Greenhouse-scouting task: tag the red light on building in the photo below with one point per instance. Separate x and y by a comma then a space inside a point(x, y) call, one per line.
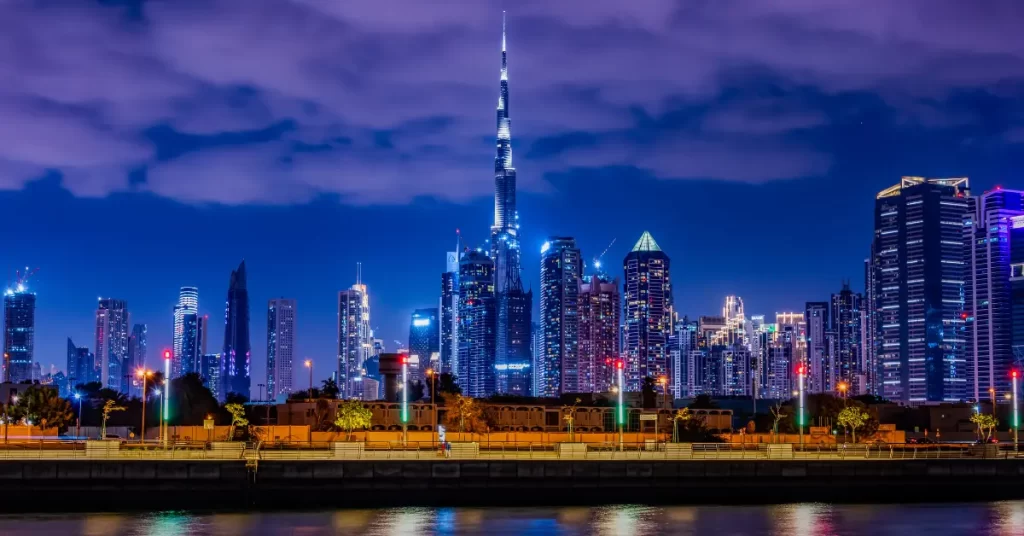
point(801, 370)
point(1014, 373)
point(619, 364)
point(403, 360)
point(167, 354)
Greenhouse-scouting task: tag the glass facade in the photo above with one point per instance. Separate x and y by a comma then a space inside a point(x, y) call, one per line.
point(280, 346)
point(112, 343)
point(647, 291)
point(561, 269)
point(477, 325)
point(235, 357)
point(19, 334)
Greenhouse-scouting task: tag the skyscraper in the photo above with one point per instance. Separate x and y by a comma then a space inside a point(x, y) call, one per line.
point(424, 340)
point(647, 291)
point(355, 340)
point(186, 360)
point(280, 346)
point(477, 325)
point(599, 309)
point(210, 370)
point(918, 269)
point(19, 333)
point(988, 234)
point(112, 342)
point(537, 358)
point(819, 356)
point(845, 317)
point(234, 360)
point(137, 346)
point(80, 366)
point(188, 303)
point(561, 268)
point(449, 308)
point(869, 368)
point(684, 343)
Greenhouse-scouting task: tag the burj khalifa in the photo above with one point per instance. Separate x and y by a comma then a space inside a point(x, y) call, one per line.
point(515, 306)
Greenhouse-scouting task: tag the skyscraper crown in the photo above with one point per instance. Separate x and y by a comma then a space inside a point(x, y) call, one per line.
point(646, 243)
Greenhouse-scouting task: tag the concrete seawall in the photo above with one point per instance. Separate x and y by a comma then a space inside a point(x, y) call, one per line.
point(63, 485)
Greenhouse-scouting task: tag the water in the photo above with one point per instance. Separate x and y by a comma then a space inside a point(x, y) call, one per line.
point(975, 519)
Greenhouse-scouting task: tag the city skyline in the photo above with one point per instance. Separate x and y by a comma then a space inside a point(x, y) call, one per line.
point(706, 268)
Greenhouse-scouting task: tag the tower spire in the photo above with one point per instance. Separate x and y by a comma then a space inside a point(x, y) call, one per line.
point(503, 31)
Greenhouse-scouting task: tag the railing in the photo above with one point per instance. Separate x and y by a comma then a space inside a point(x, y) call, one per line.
point(182, 450)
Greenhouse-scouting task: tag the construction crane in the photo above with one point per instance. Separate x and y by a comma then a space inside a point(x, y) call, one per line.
point(21, 278)
point(597, 259)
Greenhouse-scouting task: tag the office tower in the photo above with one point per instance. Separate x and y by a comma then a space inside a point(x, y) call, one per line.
point(81, 366)
point(869, 369)
point(819, 358)
point(137, 346)
point(845, 335)
point(280, 346)
point(477, 325)
point(918, 267)
point(234, 359)
point(424, 340)
point(758, 330)
point(512, 345)
point(599, 308)
point(684, 372)
point(19, 333)
point(783, 343)
point(355, 340)
point(112, 342)
point(189, 352)
point(188, 303)
point(795, 327)
point(988, 234)
point(449, 314)
point(648, 308)
point(537, 351)
point(561, 268)
point(210, 371)
point(1017, 291)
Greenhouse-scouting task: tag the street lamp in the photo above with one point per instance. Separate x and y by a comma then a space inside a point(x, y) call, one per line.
point(621, 417)
point(167, 396)
point(309, 365)
point(405, 398)
point(433, 387)
point(78, 422)
point(144, 374)
point(843, 386)
point(992, 394)
point(160, 393)
point(801, 371)
point(663, 382)
point(1016, 415)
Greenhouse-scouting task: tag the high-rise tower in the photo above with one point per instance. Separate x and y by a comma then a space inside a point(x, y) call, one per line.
point(234, 361)
point(647, 291)
point(19, 333)
point(188, 303)
point(561, 268)
point(112, 342)
point(476, 371)
point(355, 339)
point(280, 346)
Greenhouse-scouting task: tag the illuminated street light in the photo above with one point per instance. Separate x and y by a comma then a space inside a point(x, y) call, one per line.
point(144, 374)
point(801, 371)
point(78, 422)
point(167, 396)
point(309, 365)
point(619, 365)
point(405, 399)
point(1016, 415)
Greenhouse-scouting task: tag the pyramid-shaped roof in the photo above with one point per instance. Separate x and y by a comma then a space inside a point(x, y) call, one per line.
point(646, 243)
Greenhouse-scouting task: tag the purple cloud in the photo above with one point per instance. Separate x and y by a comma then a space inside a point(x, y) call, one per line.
point(79, 96)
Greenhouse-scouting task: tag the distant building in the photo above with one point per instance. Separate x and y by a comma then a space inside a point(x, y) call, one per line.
point(819, 355)
point(210, 371)
point(112, 343)
point(137, 346)
point(537, 351)
point(19, 333)
point(424, 340)
point(561, 269)
point(845, 317)
point(683, 345)
point(235, 358)
point(599, 308)
point(477, 325)
point(184, 342)
point(449, 309)
point(918, 269)
point(81, 366)
point(647, 292)
point(280, 346)
point(869, 368)
point(989, 308)
point(189, 353)
point(355, 339)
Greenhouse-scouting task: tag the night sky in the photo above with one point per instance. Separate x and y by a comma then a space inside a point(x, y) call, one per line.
point(150, 145)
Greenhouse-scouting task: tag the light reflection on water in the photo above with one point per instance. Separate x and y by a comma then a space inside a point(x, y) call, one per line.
point(808, 519)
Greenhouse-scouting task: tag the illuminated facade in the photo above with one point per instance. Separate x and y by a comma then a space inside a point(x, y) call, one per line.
point(19, 333)
point(449, 309)
point(112, 343)
point(235, 357)
point(989, 308)
point(918, 271)
point(477, 325)
point(81, 366)
point(599, 309)
point(188, 303)
point(845, 337)
point(355, 339)
point(561, 269)
point(819, 347)
point(647, 291)
point(137, 346)
point(424, 341)
point(280, 346)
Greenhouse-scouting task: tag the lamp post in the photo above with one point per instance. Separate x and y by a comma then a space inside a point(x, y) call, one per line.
point(621, 417)
point(7, 413)
point(309, 365)
point(843, 387)
point(663, 382)
point(801, 371)
point(160, 393)
point(78, 422)
point(405, 398)
point(992, 394)
point(433, 387)
point(144, 374)
point(167, 396)
point(1016, 415)
point(261, 386)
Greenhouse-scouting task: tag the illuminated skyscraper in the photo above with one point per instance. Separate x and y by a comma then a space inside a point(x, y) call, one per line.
point(988, 239)
point(112, 343)
point(561, 269)
point(136, 357)
point(19, 333)
point(599, 309)
point(280, 346)
point(477, 325)
point(235, 358)
point(188, 303)
point(648, 310)
point(424, 341)
point(845, 331)
point(210, 370)
point(819, 354)
point(81, 366)
point(448, 329)
point(355, 339)
point(918, 265)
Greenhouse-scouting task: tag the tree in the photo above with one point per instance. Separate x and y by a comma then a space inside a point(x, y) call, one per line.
point(192, 401)
point(778, 415)
point(445, 384)
point(353, 414)
point(570, 417)
point(682, 415)
point(43, 406)
point(986, 423)
point(648, 394)
point(330, 389)
point(466, 415)
point(853, 418)
point(416, 390)
point(703, 402)
point(110, 406)
point(238, 418)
